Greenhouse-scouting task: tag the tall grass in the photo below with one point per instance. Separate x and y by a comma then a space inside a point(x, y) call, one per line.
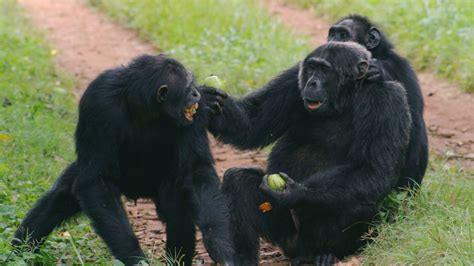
point(437, 35)
point(37, 116)
point(234, 39)
point(435, 227)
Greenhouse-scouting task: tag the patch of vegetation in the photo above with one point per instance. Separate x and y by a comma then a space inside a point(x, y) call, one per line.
point(37, 117)
point(234, 39)
point(435, 35)
point(433, 228)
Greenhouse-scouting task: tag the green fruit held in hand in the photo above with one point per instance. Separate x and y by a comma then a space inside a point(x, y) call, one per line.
point(276, 182)
point(213, 81)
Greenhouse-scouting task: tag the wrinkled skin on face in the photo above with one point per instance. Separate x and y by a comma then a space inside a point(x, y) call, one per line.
point(179, 98)
point(327, 73)
point(161, 87)
point(350, 30)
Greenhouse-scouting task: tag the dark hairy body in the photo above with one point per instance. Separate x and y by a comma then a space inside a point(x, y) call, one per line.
point(340, 141)
point(139, 135)
point(392, 66)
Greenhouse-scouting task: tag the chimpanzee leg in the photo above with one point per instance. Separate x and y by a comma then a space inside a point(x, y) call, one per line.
point(57, 205)
point(248, 222)
point(212, 215)
point(180, 231)
point(100, 201)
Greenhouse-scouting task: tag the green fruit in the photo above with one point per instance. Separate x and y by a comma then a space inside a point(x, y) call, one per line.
point(276, 182)
point(213, 81)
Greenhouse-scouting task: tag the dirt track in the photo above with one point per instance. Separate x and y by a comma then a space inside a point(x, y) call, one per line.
point(87, 43)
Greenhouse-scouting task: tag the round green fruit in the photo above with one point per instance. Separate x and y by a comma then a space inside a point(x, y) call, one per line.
point(276, 182)
point(213, 81)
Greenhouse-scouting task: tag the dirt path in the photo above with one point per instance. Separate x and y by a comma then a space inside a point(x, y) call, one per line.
point(449, 113)
point(87, 43)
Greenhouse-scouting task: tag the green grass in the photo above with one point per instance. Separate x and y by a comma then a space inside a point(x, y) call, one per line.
point(434, 228)
point(37, 117)
point(434, 35)
point(234, 39)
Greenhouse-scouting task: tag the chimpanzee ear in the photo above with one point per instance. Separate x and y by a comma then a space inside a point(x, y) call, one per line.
point(161, 94)
point(362, 69)
point(372, 38)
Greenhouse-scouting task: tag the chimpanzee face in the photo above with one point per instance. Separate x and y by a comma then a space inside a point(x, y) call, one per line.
point(329, 71)
point(351, 30)
point(319, 79)
point(343, 31)
point(179, 98)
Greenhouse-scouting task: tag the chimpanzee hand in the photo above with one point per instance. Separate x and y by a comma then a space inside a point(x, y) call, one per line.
point(214, 99)
point(291, 195)
point(375, 72)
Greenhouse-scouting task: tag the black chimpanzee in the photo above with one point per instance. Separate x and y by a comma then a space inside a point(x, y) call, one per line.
point(140, 133)
point(341, 141)
point(359, 29)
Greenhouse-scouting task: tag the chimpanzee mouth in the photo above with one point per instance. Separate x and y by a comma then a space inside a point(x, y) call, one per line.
point(312, 105)
point(190, 111)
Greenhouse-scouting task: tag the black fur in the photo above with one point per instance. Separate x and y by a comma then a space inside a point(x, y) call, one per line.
point(133, 139)
point(396, 68)
point(341, 159)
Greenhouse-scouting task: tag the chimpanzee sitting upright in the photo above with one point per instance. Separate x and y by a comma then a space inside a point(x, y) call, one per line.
point(359, 29)
point(341, 141)
point(140, 133)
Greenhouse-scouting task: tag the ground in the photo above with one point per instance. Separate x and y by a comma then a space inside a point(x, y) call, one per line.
point(87, 42)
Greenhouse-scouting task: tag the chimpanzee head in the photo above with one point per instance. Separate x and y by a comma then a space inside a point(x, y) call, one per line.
point(161, 87)
point(359, 29)
point(329, 73)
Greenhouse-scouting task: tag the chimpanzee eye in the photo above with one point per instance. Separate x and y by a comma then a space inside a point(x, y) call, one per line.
point(331, 33)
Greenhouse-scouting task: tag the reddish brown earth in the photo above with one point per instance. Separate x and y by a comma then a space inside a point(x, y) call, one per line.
point(87, 43)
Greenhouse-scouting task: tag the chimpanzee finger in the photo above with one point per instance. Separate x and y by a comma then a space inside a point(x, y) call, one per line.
point(210, 110)
point(209, 90)
point(219, 100)
point(265, 188)
point(288, 179)
point(215, 91)
point(221, 93)
point(217, 107)
point(264, 184)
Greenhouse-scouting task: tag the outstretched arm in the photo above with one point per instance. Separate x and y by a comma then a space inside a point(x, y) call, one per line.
point(381, 126)
point(259, 118)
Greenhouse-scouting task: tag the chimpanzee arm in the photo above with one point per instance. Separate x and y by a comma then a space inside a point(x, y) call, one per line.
point(381, 124)
point(211, 214)
point(261, 117)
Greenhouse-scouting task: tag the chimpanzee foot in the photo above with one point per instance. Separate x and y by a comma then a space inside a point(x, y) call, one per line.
point(325, 260)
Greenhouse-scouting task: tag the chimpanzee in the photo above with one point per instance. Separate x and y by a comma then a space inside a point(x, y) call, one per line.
point(359, 29)
point(141, 134)
point(341, 139)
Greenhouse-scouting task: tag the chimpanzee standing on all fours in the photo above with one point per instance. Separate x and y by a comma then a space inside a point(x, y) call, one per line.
point(141, 134)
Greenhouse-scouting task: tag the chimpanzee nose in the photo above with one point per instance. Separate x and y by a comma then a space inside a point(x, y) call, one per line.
point(196, 95)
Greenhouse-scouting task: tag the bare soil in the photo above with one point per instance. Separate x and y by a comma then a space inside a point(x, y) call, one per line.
point(87, 42)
